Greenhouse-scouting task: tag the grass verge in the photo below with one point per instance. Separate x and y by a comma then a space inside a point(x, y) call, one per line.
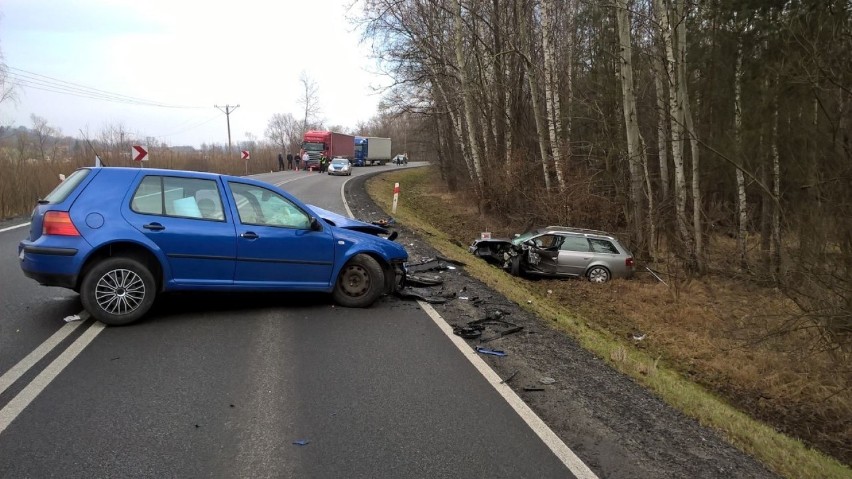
point(784, 455)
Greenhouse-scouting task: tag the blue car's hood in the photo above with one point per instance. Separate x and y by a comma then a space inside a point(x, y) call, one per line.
point(348, 223)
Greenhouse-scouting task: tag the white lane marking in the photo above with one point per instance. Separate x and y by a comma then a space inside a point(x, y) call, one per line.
point(562, 451)
point(38, 353)
point(342, 197)
point(14, 227)
point(33, 389)
point(297, 177)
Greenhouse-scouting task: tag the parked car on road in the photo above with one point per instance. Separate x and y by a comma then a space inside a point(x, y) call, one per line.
point(560, 251)
point(121, 236)
point(340, 166)
point(400, 160)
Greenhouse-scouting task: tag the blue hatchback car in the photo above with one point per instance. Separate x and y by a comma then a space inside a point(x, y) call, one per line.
point(120, 236)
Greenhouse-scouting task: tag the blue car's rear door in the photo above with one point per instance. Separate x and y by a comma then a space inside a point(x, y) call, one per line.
point(276, 247)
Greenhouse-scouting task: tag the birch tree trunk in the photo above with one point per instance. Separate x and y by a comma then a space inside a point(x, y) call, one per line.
point(551, 90)
point(507, 116)
point(742, 207)
point(697, 251)
point(532, 79)
point(775, 260)
point(635, 153)
point(676, 117)
point(662, 131)
point(459, 130)
point(467, 100)
point(501, 83)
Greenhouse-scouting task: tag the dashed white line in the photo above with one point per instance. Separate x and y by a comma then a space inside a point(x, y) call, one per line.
point(550, 439)
point(33, 389)
point(38, 353)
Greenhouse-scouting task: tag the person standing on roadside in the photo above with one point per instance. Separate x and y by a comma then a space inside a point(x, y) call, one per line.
point(305, 159)
point(289, 161)
point(280, 161)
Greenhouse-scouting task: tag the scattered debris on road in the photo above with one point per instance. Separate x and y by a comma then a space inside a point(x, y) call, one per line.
point(384, 223)
point(302, 442)
point(421, 294)
point(491, 352)
point(468, 332)
point(420, 280)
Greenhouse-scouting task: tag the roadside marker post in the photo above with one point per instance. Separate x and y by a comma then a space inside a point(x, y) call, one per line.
point(246, 156)
point(395, 197)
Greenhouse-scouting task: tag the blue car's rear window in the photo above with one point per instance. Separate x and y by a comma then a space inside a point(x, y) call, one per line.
point(65, 188)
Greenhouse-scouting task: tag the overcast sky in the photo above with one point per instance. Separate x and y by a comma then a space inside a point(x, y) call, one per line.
point(188, 53)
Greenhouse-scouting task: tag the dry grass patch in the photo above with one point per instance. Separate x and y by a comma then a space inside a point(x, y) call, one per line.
point(706, 344)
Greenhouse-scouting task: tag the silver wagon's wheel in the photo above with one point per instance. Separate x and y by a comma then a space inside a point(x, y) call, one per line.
point(598, 274)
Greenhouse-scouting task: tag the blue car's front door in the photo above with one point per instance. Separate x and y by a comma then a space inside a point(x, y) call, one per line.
point(276, 247)
point(185, 218)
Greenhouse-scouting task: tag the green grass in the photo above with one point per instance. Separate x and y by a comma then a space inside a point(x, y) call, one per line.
point(780, 453)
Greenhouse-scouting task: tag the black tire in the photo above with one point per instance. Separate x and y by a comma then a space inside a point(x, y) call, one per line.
point(360, 283)
point(598, 274)
point(515, 265)
point(118, 291)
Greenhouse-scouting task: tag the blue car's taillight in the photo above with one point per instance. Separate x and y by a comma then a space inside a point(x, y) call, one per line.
point(59, 223)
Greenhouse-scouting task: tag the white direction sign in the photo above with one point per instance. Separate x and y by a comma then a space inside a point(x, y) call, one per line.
point(139, 153)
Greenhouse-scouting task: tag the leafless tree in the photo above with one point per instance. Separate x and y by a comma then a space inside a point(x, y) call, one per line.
point(283, 131)
point(115, 141)
point(309, 99)
point(635, 145)
point(45, 136)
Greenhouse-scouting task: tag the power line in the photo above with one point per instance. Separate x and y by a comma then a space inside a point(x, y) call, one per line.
point(37, 81)
point(183, 130)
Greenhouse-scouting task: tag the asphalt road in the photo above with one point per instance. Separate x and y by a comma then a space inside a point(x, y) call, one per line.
point(248, 386)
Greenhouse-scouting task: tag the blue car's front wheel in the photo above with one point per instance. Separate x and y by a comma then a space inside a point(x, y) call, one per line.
point(360, 283)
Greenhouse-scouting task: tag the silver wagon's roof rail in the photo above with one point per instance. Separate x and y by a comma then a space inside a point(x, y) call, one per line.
point(579, 230)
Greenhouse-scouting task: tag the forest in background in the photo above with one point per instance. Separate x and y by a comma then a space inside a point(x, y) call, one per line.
point(683, 127)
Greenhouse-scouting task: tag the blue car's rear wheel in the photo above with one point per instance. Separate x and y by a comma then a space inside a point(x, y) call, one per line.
point(118, 291)
point(360, 283)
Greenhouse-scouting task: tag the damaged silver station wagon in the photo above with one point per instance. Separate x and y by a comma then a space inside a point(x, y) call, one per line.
point(560, 252)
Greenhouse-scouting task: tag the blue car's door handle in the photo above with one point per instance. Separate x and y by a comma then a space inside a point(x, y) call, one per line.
point(154, 227)
point(249, 235)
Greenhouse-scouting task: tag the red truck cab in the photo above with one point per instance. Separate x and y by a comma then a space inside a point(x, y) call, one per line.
point(333, 145)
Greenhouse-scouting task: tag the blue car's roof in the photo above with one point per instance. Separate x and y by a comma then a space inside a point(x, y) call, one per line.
point(333, 218)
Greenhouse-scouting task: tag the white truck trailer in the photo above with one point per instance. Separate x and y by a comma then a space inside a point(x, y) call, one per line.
point(378, 150)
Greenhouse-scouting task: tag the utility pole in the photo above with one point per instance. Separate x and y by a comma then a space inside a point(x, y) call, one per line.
point(227, 111)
